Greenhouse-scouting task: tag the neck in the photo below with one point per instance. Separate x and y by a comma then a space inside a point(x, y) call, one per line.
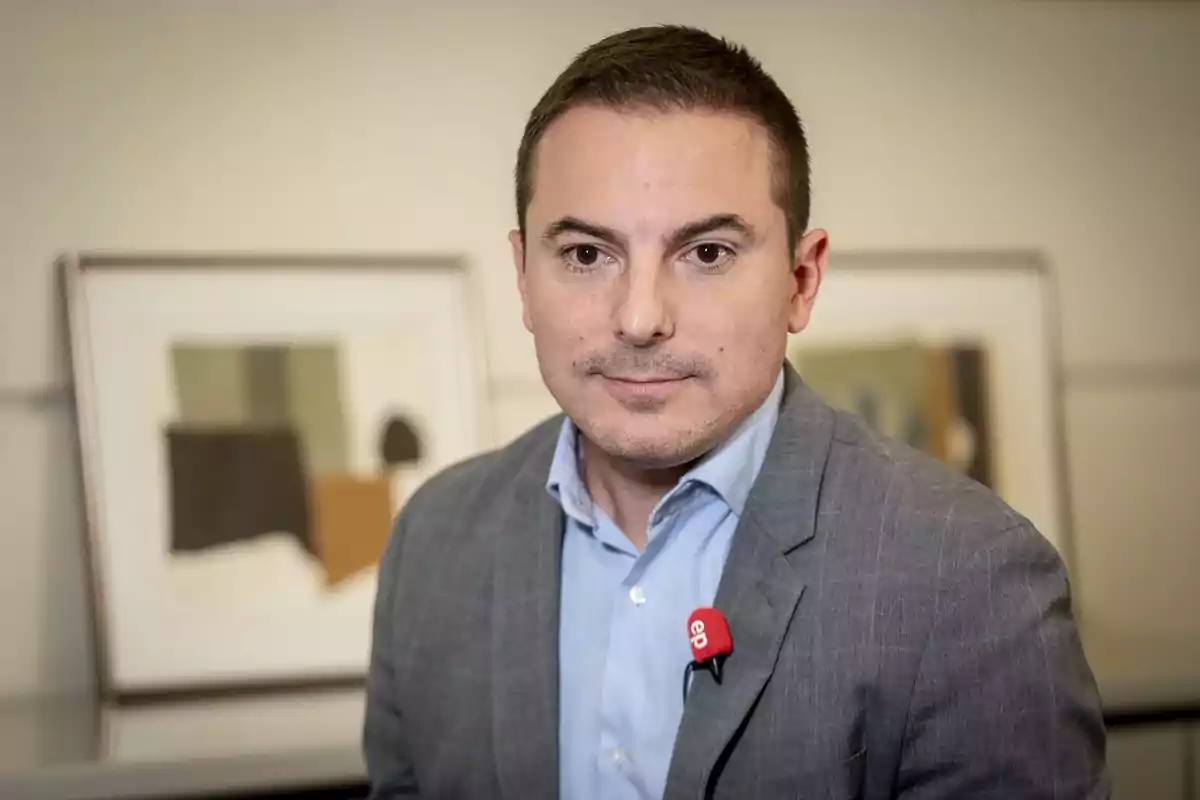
point(626, 492)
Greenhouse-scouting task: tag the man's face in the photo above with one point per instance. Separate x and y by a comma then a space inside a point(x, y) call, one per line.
point(656, 277)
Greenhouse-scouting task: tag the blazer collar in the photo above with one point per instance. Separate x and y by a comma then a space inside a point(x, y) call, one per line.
point(784, 498)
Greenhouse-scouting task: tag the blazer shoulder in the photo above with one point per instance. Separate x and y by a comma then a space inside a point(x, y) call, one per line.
point(920, 499)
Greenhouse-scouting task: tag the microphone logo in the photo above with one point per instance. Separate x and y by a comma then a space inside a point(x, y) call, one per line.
point(711, 641)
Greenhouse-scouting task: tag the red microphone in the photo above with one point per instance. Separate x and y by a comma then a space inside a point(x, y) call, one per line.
point(708, 633)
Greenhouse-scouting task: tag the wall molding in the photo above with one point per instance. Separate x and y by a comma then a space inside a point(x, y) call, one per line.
point(1132, 376)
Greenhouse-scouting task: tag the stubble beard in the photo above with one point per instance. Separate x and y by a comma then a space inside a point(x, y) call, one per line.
point(674, 445)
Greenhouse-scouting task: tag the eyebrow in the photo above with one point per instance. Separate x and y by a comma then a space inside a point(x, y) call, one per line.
point(576, 225)
point(717, 222)
point(673, 240)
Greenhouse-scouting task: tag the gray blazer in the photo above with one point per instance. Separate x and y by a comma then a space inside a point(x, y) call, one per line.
point(899, 632)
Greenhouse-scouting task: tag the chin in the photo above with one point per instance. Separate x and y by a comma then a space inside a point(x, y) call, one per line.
point(648, 455)
point(650, 445)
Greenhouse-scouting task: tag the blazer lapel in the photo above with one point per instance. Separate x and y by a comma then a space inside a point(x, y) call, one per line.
point(760, 588)
point(528, 566)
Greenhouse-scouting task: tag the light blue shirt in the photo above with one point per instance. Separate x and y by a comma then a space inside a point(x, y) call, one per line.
point(623, 644)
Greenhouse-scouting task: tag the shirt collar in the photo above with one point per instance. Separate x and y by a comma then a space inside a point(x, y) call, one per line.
point(730, 469)
point(565, 482)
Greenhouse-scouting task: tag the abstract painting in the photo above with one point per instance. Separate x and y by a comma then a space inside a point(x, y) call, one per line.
point(260, 447)
point(931, 397)
point(250, 429)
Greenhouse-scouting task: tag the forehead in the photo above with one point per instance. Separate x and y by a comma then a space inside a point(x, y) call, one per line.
point(631, 168)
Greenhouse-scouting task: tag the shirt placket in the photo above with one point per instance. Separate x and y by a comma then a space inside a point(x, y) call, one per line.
point(617, 757)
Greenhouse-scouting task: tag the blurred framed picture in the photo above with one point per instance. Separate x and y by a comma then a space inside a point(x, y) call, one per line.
point(956, 354)
point(249, 428)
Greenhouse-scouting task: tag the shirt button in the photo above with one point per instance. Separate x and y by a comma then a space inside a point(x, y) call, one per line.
point(618, 756)
point(638, 595)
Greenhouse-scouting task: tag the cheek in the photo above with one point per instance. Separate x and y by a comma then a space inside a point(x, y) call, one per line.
point(564, 322)
point(746, 340)
point(739, 323)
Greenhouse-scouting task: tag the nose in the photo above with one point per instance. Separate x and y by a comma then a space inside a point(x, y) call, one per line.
point(643, 315)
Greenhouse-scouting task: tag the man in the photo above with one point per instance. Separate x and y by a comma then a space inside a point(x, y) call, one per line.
point(897, 630)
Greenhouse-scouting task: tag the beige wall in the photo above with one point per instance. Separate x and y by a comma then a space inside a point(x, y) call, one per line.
point(392, 126)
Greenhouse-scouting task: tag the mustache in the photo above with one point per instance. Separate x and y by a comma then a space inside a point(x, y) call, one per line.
point(628, 362)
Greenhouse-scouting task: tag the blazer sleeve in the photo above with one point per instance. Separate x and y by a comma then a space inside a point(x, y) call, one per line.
point(1004, 703)
point(390, 771)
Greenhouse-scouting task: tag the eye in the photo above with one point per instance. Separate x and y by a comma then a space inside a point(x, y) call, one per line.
point(709, 256)
point(584, 257)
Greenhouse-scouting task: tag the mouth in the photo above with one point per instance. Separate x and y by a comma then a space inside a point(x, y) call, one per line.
point(643, 392)
point(645, 380)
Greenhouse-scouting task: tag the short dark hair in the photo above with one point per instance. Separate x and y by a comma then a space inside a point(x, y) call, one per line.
point(671, 67)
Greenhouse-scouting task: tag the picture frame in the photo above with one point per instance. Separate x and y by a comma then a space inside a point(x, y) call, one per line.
point(957, 353)
point(249, 427)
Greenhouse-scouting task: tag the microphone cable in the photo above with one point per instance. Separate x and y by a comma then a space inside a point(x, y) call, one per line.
point(687, 679)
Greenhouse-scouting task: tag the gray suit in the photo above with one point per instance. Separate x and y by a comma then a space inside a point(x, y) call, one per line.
point(898, 632)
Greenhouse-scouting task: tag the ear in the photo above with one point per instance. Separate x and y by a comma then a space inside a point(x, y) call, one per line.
point(808, 269)
point(518, 255)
